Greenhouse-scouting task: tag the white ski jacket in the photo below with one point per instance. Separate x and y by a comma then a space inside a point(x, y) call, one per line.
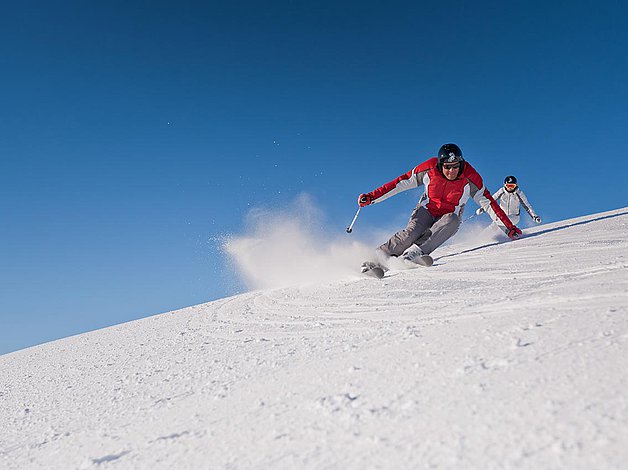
point(511, 202)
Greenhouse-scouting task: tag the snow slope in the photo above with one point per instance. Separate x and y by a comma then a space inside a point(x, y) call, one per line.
point(503, 355)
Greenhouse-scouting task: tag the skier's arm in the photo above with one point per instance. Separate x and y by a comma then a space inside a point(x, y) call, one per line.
point(409, 180)
point(526, 205)
point(499, 193)
point(483, 197)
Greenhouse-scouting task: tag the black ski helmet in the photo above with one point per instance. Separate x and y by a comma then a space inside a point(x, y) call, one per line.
point(450, 153)
point(510, 180)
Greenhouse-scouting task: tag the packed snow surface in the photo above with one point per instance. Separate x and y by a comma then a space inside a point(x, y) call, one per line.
point(501, 355)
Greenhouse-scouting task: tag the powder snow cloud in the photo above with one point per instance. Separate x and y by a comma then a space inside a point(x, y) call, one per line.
point(288, 246)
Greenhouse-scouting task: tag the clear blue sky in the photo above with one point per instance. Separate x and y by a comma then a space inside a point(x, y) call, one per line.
point(134, 134)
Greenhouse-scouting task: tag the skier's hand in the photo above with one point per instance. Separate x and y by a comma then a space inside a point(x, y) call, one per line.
point(479, 211)
point(514, 233)
point(365, 200)
point(537, 219)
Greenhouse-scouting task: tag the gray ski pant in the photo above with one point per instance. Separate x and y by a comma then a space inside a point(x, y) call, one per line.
point(424, 230)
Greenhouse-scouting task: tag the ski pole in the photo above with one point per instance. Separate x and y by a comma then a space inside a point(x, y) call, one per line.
point(469, 218)
point(350, 227)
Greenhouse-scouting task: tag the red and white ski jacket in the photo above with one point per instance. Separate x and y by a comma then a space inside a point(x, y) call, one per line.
point(441, 195)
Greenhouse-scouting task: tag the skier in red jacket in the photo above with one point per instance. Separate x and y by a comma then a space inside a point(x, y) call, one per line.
point(449, 182)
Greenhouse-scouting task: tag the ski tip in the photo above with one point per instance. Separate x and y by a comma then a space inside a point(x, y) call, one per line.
point(372, 269)
point(376, 272)
point(426, 261)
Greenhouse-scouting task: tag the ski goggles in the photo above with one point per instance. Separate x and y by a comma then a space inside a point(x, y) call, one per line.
point(510, 186)
point(451, 166)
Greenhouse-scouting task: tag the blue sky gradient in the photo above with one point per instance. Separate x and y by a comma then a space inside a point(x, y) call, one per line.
point(136, 135)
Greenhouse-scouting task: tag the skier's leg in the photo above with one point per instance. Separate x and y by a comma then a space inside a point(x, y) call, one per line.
point(420, 222)
point(442, 230)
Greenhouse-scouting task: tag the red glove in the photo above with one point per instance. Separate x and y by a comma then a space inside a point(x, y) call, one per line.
point(514, 233)
point(365, 200)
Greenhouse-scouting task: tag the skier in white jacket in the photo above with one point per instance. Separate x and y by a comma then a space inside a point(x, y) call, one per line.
point(510, 198)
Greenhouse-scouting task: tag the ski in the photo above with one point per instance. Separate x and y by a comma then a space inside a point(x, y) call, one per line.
point(372, 269)
point(425, 260)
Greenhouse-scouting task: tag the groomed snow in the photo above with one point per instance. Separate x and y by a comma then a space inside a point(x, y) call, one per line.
point(502, 355)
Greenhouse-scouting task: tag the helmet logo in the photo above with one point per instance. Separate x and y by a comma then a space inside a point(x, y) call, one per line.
point(452, 157)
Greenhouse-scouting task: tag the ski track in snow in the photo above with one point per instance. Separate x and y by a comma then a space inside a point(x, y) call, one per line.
point(503, 355)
